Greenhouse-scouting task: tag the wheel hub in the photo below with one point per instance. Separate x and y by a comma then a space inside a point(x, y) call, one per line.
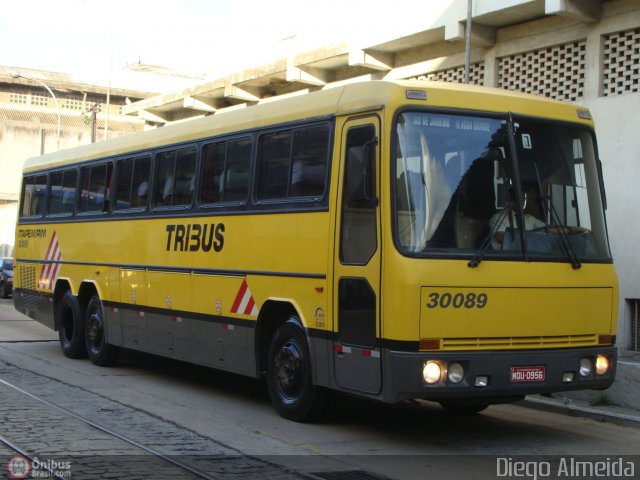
point(94, 330)
point(289, 366)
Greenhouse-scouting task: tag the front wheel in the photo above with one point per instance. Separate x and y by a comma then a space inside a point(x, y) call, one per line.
point(289, 374)
point(100, 352)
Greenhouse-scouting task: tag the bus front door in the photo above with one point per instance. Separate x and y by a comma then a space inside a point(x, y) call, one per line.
point(356, 351)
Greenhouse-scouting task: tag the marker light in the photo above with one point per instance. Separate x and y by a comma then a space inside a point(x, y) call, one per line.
point(431, 372)
point(602, 365)
point(482, 381)
point(416, 95)
point(455, 373)
point(586, 366)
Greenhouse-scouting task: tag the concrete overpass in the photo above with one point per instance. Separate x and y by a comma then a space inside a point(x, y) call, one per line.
point(440, 46)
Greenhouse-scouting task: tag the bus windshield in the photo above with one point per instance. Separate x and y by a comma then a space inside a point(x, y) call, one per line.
point(505, 187)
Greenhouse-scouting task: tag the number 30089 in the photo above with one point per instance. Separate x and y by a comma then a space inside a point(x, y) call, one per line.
point(457, 300)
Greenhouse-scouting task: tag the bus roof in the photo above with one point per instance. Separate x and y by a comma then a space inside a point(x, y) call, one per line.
point(360, 96)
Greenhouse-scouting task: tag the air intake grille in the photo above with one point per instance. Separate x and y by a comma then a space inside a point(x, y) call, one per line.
point(26, 278)
point(514, 343)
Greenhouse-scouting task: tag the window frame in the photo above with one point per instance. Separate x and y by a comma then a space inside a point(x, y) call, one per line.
point(135, 157)
point(25, 178)
point(445, 253)
point(290, 199)
point(173, 149)
point(63, 172)
point(200, 171)
point(108, 177)
point(250, 205)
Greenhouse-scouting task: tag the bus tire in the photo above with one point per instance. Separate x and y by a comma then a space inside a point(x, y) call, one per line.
point(100, 352)
point(289, 381)
point(70, 327)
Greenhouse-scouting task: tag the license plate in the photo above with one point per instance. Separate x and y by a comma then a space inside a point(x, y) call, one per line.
point(527, 374)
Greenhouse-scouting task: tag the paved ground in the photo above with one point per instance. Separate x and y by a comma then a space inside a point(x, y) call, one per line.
point(15, 327)
point(44, 431)
point(204, 422)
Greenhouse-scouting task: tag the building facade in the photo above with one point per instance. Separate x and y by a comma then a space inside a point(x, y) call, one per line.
point(41, 112)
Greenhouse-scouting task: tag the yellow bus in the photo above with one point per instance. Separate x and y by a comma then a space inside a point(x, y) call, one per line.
point(393, 240)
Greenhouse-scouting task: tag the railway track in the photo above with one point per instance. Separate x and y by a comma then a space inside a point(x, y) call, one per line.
point(61, 441)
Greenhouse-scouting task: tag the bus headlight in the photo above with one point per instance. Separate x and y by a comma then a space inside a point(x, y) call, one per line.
point(602, 365)
point(455, 372)
point(431, 372)
point(586, 367)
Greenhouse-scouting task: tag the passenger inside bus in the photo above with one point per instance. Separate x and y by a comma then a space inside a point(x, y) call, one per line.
point(178, 190)
point(506, 219)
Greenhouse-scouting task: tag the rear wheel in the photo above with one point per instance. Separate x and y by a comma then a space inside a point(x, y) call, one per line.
point(100, 352)
point(289, 374)
point(70, 327)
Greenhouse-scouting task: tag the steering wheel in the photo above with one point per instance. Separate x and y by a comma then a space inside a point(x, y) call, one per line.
point(566, 229)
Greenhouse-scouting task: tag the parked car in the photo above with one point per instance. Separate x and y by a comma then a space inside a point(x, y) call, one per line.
point(6, 277)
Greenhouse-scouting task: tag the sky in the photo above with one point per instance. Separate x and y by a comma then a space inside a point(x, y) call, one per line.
point(197, 37)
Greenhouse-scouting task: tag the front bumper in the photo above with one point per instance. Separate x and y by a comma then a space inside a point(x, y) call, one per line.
point(405, 379)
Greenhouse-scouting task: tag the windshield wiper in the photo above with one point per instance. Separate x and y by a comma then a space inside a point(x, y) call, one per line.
point(561, 229)
point(555, 219)
point(506, 212)
point(486, 243)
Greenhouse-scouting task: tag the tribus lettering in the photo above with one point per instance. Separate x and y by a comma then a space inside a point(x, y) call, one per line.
point(195, 237)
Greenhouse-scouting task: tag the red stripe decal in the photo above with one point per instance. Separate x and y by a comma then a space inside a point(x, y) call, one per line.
point(239, 296)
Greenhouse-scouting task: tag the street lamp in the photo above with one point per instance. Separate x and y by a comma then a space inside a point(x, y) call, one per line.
point(15, 74)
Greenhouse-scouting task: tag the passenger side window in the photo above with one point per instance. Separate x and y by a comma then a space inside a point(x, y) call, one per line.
point(175, 177)
point(132, 183)
point(33, 196)
point(225, 171)
point(95, 182)
point(55, 193)
point(62, 192)
point(293, 163)
point(309, 161)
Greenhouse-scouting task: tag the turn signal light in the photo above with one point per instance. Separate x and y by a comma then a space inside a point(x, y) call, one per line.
point(429, 344)
point(605, 339)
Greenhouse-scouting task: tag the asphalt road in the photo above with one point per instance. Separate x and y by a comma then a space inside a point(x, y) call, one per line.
point(365, 439)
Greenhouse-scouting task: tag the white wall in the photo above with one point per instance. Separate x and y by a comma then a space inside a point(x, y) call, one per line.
point(618, 129)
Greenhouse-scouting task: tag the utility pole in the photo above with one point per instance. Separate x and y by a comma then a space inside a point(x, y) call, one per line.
point(94, 121)
point(467, 41)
